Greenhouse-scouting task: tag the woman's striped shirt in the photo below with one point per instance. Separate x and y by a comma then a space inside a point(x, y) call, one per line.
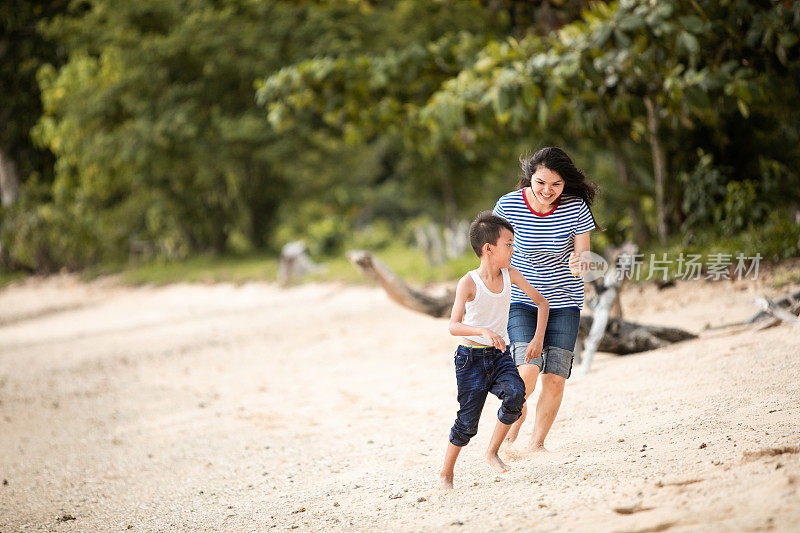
point(542, 244)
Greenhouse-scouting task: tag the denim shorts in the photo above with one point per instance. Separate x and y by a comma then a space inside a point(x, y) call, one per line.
point(477, 376)
point(559, 337)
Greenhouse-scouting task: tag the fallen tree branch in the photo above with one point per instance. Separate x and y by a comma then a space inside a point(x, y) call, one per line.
point(601, 311)
point(769, 306)
point(623, 337)
point(787, 301)
point(398, 290)
point(619, 336)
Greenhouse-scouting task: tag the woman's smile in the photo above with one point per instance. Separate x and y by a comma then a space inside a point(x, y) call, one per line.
point(546, 186)
point(547, 197)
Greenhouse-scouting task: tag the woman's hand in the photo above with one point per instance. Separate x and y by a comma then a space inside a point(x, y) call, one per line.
point(576, 265)
point(534, 349)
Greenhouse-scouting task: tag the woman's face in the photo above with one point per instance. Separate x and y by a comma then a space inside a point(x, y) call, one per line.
point(547, 185)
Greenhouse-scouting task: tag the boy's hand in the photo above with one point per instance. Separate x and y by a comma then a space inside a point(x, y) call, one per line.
point(575, 264)
point(533, 350)
point(496, 340)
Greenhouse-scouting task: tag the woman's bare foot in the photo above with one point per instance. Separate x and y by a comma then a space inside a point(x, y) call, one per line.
point(445, 481)
point(494, 461)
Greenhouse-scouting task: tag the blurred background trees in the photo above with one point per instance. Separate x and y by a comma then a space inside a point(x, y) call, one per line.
point(163, 129)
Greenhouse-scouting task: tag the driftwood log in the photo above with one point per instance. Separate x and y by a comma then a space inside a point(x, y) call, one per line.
point(608, 291)
point(777, 313)
point(295, 262)
point(597, 331)
point(623, 337)
point(772, 313)
point(398, 290)
point(620, 336)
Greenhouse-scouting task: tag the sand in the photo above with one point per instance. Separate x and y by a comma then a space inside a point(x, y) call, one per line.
point(198, 407)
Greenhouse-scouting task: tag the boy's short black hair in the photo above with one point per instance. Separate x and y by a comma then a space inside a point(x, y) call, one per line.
point(486, 228)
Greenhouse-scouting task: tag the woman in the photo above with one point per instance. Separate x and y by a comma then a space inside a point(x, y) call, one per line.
point(551, 218)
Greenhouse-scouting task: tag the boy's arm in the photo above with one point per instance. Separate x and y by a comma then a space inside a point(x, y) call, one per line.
point(465, 292)
point(543, 311)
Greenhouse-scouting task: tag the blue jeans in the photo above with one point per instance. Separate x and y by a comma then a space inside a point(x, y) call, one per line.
point(559, 337)
point(477, 376)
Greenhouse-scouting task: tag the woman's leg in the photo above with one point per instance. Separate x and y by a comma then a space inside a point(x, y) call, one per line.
point(521, 328)
point(547, 408)
point(562, 332)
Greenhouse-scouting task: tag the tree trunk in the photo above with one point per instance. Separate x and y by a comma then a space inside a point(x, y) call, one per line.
point(659, 166)
point(9, 180)
point(640, 230)
point(449, 200)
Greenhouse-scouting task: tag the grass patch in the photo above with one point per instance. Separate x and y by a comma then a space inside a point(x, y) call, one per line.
point(7, 278)
point(774, 243)
point(785, 274)
point(778, 239)
point(202, 269)
point(408, 262)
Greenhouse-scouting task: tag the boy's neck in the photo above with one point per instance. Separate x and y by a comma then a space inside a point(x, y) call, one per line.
point(487, 269)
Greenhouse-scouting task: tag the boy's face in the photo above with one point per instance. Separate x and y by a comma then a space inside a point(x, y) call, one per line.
point(504, 248)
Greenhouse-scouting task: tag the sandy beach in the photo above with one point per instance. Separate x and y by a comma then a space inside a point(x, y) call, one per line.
point(196, 407)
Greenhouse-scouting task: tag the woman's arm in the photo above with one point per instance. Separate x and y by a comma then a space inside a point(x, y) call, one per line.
point(582, 244)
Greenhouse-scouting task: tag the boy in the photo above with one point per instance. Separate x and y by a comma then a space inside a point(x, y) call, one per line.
point(483, 363)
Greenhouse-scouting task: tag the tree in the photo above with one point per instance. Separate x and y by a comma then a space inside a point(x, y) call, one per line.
point(159, 144)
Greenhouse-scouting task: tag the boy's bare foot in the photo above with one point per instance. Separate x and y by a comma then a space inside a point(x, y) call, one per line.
point(537, 447)
point(494, 461)
point(445, 481)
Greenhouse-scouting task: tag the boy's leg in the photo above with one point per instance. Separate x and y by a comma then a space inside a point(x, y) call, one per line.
point(472, 391)
point(500, 431)
point(466, 424)
point(509, 387)
point(450, 456)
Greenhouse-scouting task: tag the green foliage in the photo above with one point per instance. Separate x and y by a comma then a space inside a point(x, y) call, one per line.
point(777, 238)
point(236, 126)
point(710, 88)
point(22, 51)
point(152, 123)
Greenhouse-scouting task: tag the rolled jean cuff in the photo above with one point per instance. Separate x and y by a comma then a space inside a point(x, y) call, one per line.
point(508, 417)
point(558, 361)
point(518, 353)
point(457, 439)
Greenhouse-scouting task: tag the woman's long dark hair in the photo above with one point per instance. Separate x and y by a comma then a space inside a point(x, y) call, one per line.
point(556, 160)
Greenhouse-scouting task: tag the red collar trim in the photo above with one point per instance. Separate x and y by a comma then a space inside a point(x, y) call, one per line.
point(555, 206)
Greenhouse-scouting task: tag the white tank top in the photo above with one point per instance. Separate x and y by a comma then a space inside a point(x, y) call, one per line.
point(489, 309)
